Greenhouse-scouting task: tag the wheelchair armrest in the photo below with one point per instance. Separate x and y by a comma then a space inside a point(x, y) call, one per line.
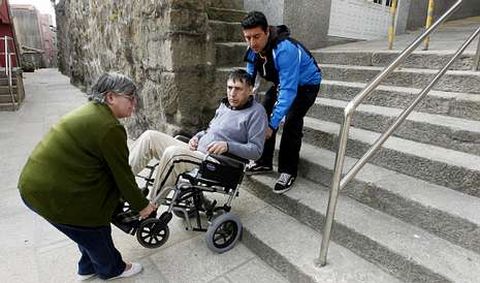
point(182, 138)
point(229, 160)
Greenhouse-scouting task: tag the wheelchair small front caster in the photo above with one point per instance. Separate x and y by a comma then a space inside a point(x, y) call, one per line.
point(152, 233)
point(223, 233)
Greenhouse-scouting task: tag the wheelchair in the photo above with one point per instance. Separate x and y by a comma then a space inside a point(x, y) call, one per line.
point(216, 174)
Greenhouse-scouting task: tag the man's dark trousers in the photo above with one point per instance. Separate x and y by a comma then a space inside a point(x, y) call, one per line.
point(292, 134)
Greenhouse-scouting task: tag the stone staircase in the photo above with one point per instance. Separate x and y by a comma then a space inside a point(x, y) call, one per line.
point(412, 213)
point(17, 88)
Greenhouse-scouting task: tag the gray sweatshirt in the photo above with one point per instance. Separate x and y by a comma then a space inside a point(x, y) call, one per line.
point(242, 129)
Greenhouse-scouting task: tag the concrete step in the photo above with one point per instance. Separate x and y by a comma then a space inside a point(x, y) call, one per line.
point(447, 213)
point(453, 169)
point(226, 31)
point(292, 248)
point(4, 81)
point(7, 107)
point(405, 251)
point(420, 59)
point(462, 105)
point(5, 90)
point(230, 54)
point(456, 81)
point(449, 132)
point(227, 4)
point(226, 15)
point(6, 98)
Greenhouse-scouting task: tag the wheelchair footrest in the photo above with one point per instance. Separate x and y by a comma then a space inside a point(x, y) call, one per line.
point(165, 217)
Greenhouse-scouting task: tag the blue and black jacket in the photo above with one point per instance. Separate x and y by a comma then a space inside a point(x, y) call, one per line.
point(286, 63)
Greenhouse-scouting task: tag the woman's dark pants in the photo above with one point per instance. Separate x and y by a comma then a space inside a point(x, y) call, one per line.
point(99, 254)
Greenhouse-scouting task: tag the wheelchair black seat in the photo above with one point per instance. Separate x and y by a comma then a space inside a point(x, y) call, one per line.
point(226, 171)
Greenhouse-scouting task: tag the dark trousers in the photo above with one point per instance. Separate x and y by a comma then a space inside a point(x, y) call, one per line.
point(292, 134)
point(99, 254)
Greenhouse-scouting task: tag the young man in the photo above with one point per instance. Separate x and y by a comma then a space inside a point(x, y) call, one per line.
point(296, 77)
point(238, 128)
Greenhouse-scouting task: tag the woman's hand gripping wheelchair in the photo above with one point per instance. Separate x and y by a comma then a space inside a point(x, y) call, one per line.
point(215, 174)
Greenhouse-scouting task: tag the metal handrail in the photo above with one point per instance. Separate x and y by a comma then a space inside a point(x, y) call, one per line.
point(337, 182)
point(8, 69)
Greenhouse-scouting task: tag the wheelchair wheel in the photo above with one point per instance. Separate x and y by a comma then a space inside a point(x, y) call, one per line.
point(223, 233)
point(152, 233)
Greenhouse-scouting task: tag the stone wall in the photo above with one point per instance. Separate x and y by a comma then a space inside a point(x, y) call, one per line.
point(163, 45)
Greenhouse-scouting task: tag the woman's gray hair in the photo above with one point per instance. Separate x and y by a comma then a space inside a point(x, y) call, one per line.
point(113, 82)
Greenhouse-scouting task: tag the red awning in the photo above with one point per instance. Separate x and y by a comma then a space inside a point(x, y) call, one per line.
point(4, 18)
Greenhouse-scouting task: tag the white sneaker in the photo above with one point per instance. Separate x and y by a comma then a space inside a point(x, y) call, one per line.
point(85, 277)
point(134, 269)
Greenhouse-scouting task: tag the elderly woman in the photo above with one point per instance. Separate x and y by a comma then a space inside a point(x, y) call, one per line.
point(76, 175)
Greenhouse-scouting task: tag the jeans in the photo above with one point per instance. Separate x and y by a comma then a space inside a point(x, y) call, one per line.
point(99, 254)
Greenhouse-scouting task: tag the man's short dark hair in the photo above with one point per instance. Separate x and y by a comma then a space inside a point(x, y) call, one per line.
point(241, 75)
point(255, 19)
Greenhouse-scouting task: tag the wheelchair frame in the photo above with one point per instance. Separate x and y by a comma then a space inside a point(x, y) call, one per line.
point(188, 201)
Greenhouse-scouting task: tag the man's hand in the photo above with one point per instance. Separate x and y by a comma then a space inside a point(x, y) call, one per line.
point(144, 213)
point(193, 143)
point(218, 147)
point(268, 133)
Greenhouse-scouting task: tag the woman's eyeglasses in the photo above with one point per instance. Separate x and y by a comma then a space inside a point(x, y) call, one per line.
point(131, 97)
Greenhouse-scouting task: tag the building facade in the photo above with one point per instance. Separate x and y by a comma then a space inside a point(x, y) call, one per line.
point(36, 36)
point(324, 22)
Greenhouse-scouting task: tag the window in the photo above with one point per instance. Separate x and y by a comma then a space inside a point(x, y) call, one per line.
point(387, 3)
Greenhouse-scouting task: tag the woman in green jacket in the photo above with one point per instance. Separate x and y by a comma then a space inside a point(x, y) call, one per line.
point(76, 175)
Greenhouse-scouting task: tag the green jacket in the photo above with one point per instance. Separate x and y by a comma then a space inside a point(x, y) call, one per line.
point(79, 170)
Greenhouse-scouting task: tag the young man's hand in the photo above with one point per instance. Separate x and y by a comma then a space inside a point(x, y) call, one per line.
point(218, 147)
point(268, 133)
point(193, 143)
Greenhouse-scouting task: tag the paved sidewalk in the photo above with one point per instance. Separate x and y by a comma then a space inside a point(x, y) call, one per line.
point(31, 250)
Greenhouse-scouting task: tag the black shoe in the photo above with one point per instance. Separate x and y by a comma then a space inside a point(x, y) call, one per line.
point(284, 183)
point(256, 168)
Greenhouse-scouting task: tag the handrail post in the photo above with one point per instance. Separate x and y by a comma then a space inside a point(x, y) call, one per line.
point(391, 28)
point(335, 188)
point(431, 7)
point(8, 71)
point(476, 59)
point(5, 54)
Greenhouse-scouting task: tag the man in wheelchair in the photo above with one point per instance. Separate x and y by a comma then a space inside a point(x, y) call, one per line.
point(237, 130)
